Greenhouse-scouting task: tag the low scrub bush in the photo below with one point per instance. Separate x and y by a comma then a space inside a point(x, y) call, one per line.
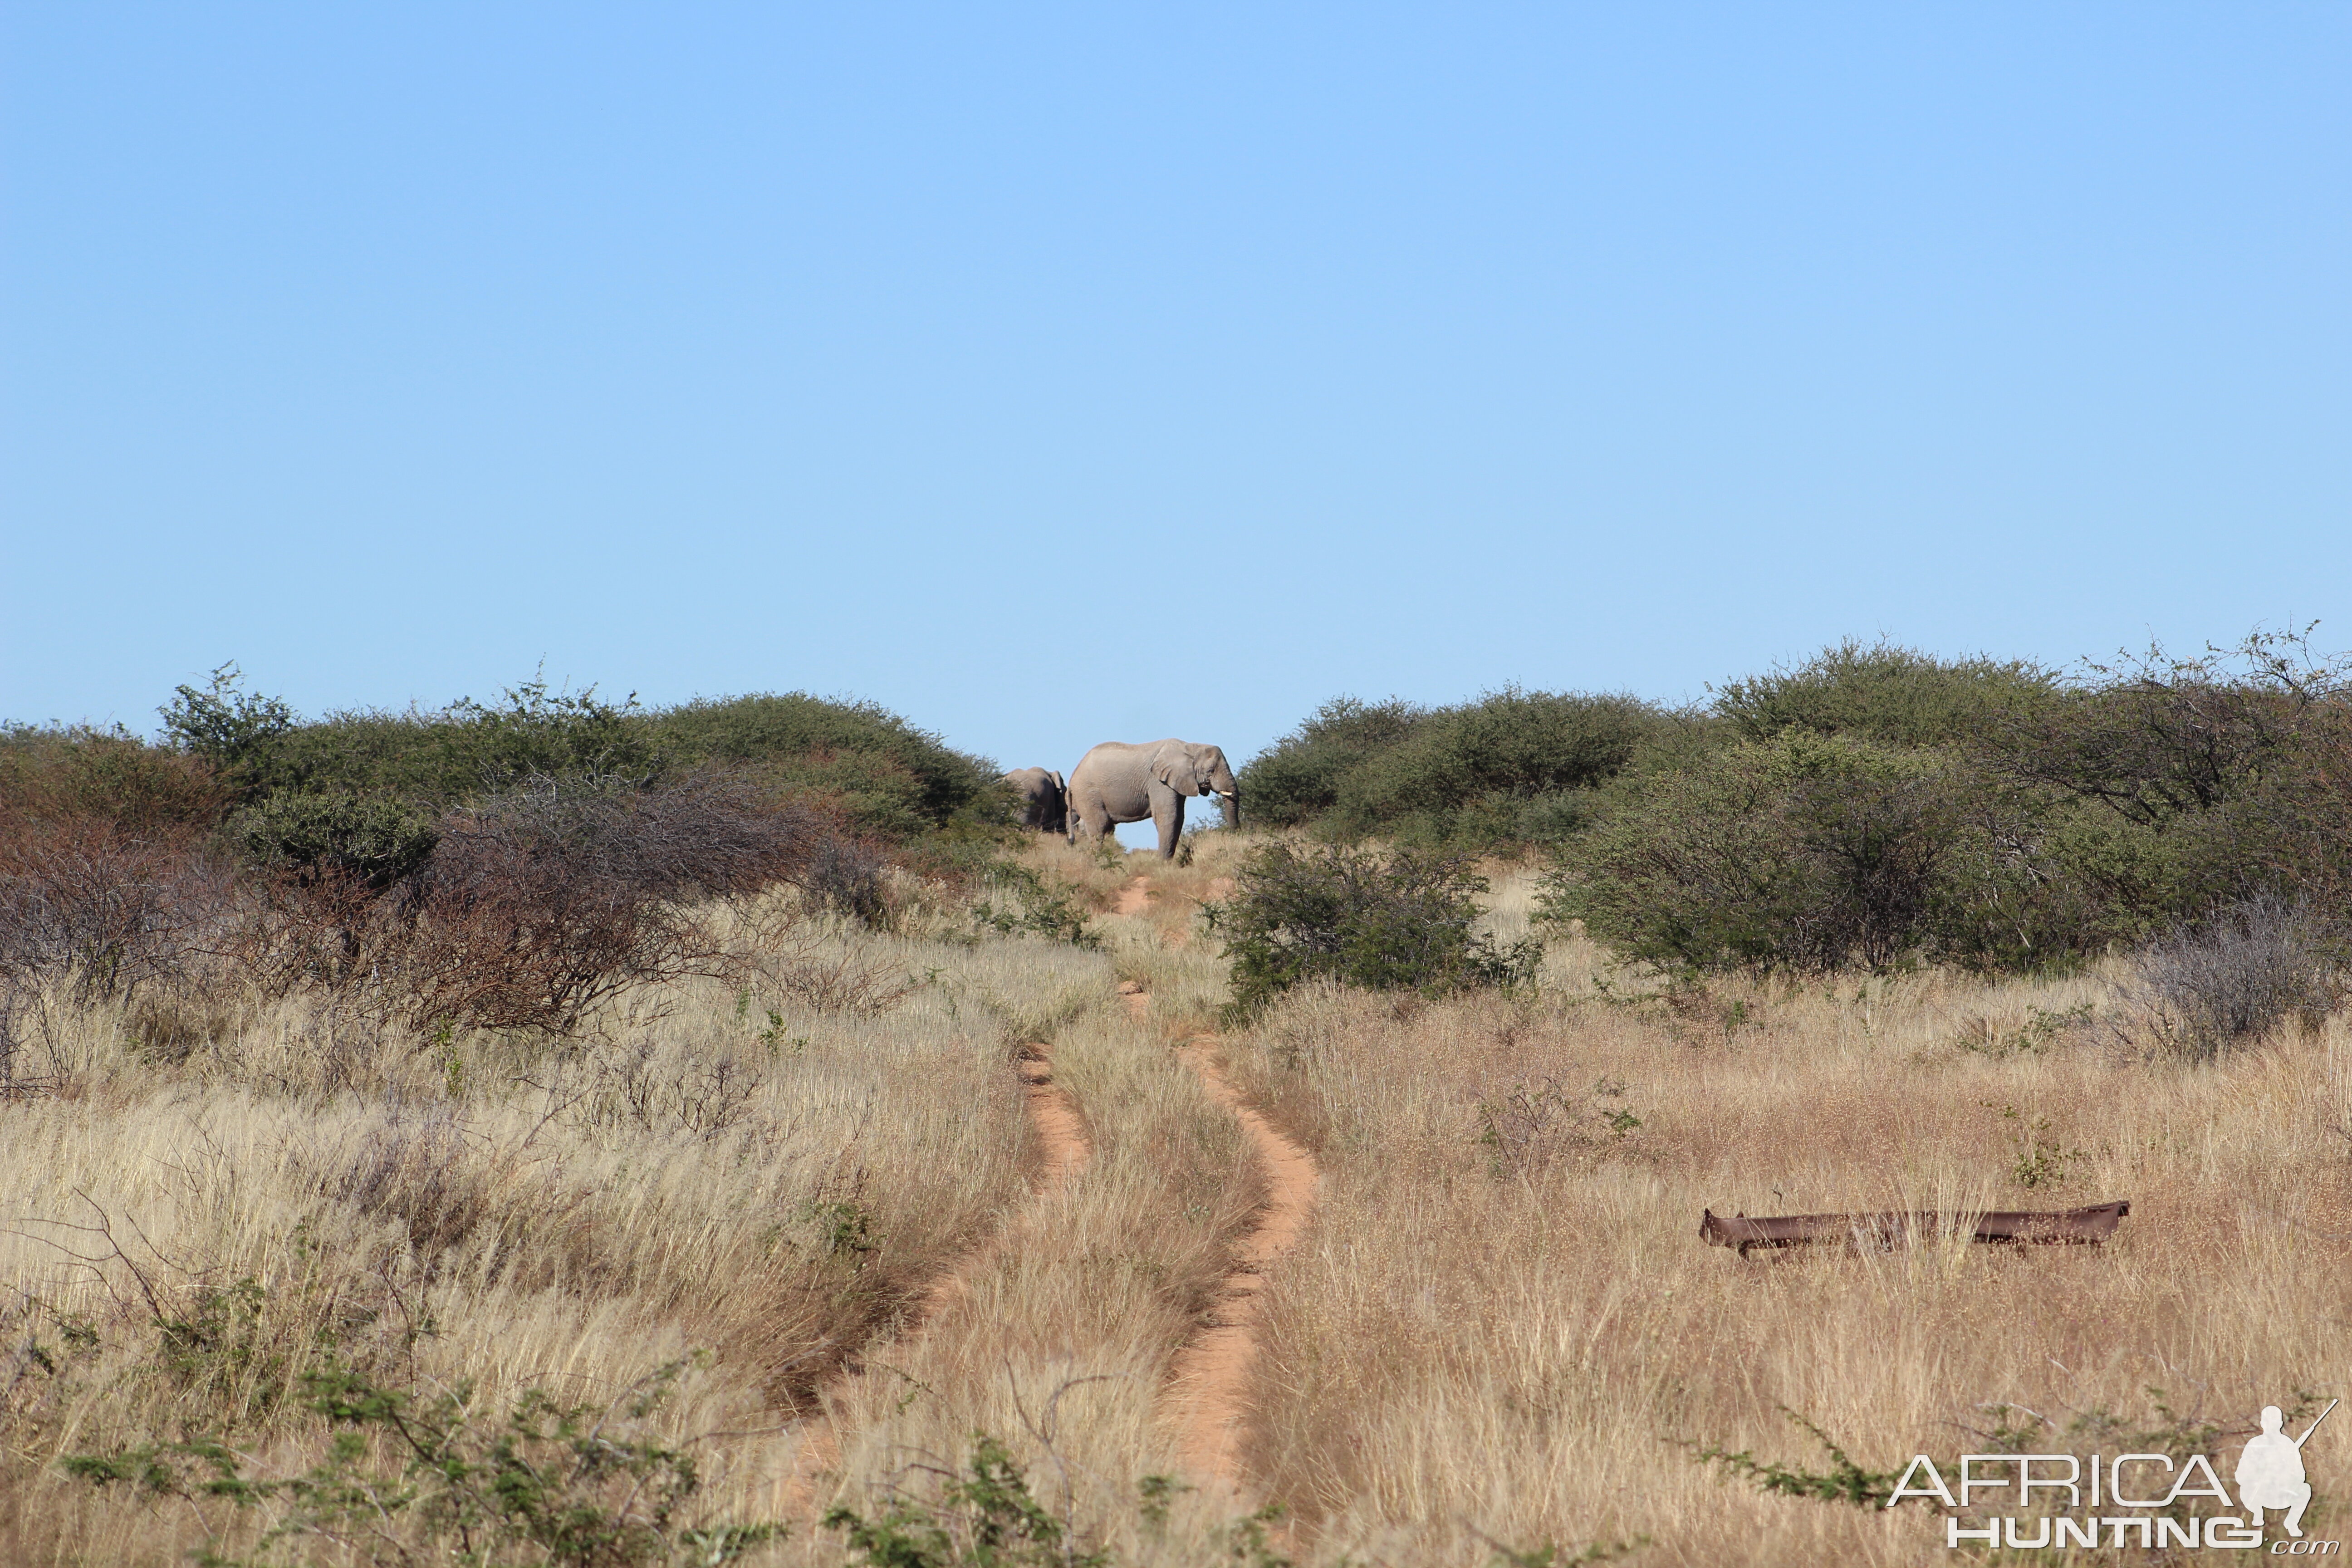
point(374, 839)
point(847, 878)
point(1805, 853)
point(1800, 853)
point(1404, 920)
point(1513, 766)
point(983, 1514)
point(881, 774)
point(52, 772)
point(101, 911)
point(1019, 900)
point(412, 1478)
point(1875, 806)
point(540, 904)
point(431, 758)
point(2158, 738)
point(1890, 696)
point(536, 905)
point(857, 761)
point(2209, 984)
point(1296, 780)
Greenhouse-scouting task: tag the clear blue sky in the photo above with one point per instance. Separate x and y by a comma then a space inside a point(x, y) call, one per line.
point(1059, 374)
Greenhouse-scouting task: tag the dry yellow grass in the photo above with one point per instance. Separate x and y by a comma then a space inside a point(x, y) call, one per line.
point(741, 1173)
point(735, 1172)
point(1498, 1324)
point(1509, 1335)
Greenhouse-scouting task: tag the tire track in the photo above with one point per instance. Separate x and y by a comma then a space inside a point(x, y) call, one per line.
point(1063, 1152)
point(1206, 1400)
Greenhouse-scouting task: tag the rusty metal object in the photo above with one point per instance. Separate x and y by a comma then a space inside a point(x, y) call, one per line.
point(2090, 1226)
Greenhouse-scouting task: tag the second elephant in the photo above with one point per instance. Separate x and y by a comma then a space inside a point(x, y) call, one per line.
point(1041, 794)
point(1118, 783)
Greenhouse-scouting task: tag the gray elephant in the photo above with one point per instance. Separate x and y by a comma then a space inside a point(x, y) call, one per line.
point(1118, 783)
point(1042, 798)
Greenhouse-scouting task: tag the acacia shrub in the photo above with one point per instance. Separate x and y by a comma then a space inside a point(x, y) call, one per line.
point(106, 882)
point(1892, 696)
point(1513, 766)
point(56, 773)
point(91, 907)
point(536, 904)
point(1807, 853)
point(882, 773)
point(431, 757)
point(1297, 779)
point(2237, 760)
point(540, 903)
point(885, 777)
point(376, 840)
point(2157, 738)
point(1403, 919)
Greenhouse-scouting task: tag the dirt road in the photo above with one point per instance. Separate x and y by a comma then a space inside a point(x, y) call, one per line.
point(1206, 1399)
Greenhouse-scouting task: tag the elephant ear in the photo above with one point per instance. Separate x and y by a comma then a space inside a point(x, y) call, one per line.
point(1172, 767)
point(1059, 785)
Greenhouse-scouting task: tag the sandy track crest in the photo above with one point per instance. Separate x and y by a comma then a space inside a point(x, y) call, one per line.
point(1135, 898)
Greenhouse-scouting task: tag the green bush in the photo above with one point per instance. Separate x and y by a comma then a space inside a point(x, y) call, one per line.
point(2159, 739)
point(1017, 900)
point(1297, 779)
point(376, 840)
point(1512, 767)
point(878, 773)
point(886, 775)
point(983, 1517)
point(1891, 696)
point(1807, 853)
point(1399, 921)
point(2205, 986)
point(236, 730)
point(432, 758)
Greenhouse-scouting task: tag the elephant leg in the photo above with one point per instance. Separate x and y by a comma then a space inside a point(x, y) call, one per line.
point(1170, 820)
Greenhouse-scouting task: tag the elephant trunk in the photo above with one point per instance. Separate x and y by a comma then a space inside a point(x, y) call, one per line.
point(1232, 803)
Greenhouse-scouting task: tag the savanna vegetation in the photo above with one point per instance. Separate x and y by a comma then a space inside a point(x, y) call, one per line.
point(1873, 806)
point(556, 1132)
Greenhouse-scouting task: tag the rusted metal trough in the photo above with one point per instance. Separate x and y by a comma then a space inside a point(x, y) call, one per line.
point(2088, 1226)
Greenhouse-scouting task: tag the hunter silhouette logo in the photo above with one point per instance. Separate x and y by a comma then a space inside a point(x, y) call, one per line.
point(2269, 1471)
point(2135, 1499)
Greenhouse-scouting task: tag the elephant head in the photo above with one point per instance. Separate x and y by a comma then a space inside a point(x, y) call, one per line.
point(1190, 769)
